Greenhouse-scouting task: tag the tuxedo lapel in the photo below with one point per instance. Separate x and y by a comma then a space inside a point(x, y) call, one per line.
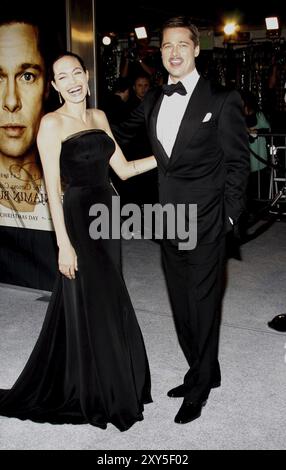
point(159, 150)
point(198, 106)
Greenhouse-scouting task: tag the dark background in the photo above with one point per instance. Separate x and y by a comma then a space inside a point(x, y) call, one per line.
point(120, 16)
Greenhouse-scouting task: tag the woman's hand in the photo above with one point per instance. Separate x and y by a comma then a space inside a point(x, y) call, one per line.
point(67, 261)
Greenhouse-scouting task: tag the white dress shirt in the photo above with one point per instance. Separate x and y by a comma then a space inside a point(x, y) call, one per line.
point(172, 110)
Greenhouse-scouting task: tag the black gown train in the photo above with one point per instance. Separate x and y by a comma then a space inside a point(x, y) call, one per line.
point(89, 364)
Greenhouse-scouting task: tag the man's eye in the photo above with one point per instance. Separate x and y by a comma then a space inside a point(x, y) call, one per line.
point(28, 77)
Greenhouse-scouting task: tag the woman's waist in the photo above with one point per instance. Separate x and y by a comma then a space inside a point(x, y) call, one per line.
point(85, 183)
point(83, 186)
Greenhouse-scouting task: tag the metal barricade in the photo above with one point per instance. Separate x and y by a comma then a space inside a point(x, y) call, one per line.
point(278, 158)
point(276, 163)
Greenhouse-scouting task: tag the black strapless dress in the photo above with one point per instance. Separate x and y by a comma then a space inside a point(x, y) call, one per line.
point(89, 364)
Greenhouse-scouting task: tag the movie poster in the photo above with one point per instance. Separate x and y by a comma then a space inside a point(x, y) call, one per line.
point(23, 198)
point(27, 46)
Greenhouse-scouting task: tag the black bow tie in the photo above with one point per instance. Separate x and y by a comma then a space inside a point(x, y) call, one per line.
point(174, 88)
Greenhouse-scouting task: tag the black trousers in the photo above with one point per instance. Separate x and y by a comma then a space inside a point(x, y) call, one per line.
point(195, 280)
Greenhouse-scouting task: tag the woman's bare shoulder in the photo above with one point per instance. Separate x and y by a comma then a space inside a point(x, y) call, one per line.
point(51, 120)
point(99, 118)
point(51, 123)
point(50, 129)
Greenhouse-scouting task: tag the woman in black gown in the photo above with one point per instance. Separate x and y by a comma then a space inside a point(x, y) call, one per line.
point(89, 364)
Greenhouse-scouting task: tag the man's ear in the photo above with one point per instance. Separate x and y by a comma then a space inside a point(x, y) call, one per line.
point(197, 50)
point(87, 75)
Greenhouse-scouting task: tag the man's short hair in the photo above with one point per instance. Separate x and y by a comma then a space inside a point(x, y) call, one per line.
point(142, 75)
point(46, 44)
point(182, 22)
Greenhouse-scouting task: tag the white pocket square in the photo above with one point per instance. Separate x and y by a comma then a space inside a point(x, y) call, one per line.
point(207, 117)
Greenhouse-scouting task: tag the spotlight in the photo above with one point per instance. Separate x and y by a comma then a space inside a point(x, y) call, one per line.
point(106, 40)
point(141, 32)
point(230, 28)
point(272, 23)
point(272, 27)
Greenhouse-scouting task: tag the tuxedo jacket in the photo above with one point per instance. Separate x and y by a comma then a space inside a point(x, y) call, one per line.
point(209, 164)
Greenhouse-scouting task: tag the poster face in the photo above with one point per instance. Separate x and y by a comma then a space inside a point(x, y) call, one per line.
point(23, 90)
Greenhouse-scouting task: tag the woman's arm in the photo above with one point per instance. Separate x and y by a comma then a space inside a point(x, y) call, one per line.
point(49, 145)
point(123, 168)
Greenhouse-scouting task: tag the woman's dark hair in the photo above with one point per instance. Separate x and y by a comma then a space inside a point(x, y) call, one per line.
point(69, 54)
point(182, 22)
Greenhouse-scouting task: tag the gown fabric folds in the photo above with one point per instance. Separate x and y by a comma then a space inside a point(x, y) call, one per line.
point(89, 364)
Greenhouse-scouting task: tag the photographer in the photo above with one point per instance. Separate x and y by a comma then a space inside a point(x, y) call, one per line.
point(138, 58)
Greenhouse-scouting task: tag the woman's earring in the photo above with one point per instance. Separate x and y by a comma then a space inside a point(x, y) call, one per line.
point(88, 90)
point(60, 97)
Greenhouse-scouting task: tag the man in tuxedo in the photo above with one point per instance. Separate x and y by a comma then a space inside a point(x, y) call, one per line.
point(198, 135)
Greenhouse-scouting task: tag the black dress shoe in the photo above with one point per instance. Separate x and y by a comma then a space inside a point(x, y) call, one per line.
point(189, 412)
point(278, 323)
point(215, 383)
point(181, 390)
point(177, 392)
